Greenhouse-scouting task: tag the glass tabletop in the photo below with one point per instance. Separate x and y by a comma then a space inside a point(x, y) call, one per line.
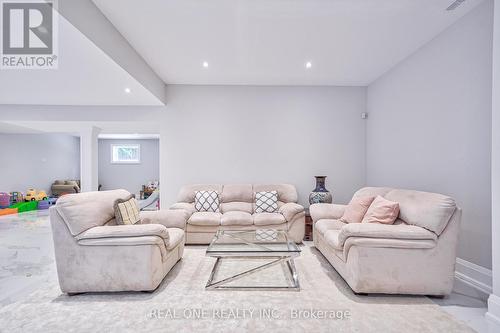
point(255, 241)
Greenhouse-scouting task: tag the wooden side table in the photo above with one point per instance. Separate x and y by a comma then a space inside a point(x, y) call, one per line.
point(308, 236)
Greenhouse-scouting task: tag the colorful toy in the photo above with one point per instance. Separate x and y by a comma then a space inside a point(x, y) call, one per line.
point(34, 195)
point(25, 206)
point(153, 185)
point(46, 204)
point(43, 204)
point(4, 200)
point(16, 197)
point(7, 211)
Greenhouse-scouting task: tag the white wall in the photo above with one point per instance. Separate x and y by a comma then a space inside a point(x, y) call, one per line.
point(429, 126)
point(494, 300)
point(129, 176)
point(36, 160)
point(89, 155)
point(245, 134)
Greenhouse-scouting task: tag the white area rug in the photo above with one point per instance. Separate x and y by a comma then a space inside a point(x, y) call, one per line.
point(182, 295)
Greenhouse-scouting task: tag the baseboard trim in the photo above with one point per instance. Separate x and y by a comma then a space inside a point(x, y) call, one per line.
point(475, 276)
point(493, 314)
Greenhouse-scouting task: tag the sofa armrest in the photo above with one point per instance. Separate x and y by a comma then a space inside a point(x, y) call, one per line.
point(120, 242)
point(321, 211)
point(290, 209)
point(170, 218)
point(121, 231)
point(189, 207)
point(384, 231)
point(386, 243)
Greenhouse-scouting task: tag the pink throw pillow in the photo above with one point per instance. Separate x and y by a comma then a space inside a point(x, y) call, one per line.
point(382, 211)
point(356, 209)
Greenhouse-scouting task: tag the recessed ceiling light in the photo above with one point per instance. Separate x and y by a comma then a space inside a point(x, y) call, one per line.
point(308, 64)
point(205, 64)
point(127, 90)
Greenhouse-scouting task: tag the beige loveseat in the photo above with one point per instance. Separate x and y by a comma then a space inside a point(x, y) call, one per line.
point(60, 187)
point(237, 211)
point(416, 255)
point(94, 254)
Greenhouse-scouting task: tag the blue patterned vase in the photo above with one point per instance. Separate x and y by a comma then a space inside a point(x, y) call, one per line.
point(320, 194)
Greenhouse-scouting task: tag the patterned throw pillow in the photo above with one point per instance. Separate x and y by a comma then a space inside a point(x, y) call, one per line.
point(206, 201)
point(126, 211)
point(266, 202)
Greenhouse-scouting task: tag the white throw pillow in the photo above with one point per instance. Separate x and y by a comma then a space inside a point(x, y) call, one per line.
point(206, 201)
point(266, 202)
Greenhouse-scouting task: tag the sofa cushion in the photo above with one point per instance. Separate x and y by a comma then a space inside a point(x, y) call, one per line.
point(236, 218)
point(268, 218)
point(372, 191)
point(83, 211)
point(205, 218)
point(170, 218)
point(356, 209)
point(186, 193)
point(236, 206)
point(176, 236)
point(382, 211)
point(286, 192)
point(207, 201)
point(323, 226)
point(266, 202)
point(376, 230)
point(332, 238)
point(428, 210)
point(126, 210)
point(237, 193)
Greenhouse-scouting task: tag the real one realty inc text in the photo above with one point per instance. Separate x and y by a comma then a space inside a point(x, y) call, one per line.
point(251, 313)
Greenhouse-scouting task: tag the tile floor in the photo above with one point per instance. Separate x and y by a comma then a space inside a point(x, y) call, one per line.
point(27, 262)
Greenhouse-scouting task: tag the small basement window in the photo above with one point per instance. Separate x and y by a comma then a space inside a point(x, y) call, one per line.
point(129, 153)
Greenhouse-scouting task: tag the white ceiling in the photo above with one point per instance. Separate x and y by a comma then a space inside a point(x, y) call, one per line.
point(141, 121)
point(14, 128)
point(133, 136)
point(85, 76)
point(109, 129)
point(267, 42)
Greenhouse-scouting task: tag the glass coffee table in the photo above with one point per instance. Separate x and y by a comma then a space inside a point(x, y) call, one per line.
point(253, 260)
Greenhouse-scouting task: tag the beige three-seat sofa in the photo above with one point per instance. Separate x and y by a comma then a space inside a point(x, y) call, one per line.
point(237, 211)
point(416, 255)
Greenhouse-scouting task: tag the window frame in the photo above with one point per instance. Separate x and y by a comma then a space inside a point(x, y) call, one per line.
point(127, 145)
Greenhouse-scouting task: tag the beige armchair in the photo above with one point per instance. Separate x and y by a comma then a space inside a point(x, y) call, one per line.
point(93, 254)
point(416, 255)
